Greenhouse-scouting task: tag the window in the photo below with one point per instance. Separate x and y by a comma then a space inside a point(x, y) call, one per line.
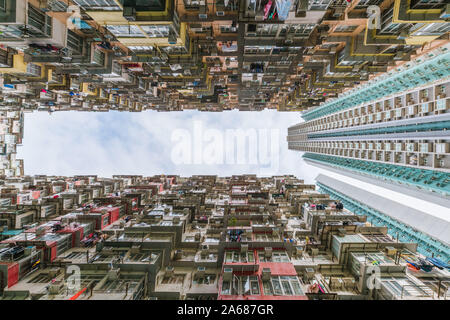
point(104, 5)
point(175, 279)
point(236, 256)
point(156, 31)
point(302, 30)
point(228, 29)
point(345, 28)
point(276, 257)
point(129, 31)
point(74, 41)
point(282, 286)
point(34, 69)
point(241, 285)
point(205, 279)
point(39, 24)
point(226, 288)
point(431, 29)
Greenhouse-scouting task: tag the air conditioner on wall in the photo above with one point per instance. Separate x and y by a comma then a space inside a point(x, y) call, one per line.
point(169, 271)
point(227, 274)
point(201, 271)
point(266, 274)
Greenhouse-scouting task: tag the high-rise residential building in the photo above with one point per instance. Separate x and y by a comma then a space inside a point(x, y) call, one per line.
point(214, 55)
point(391, 131)
point(200, 237)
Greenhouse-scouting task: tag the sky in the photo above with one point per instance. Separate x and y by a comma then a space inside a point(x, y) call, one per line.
point(150, 142)
point(183, 143)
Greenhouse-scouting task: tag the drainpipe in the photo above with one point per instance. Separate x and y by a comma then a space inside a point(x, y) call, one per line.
point(439, 288)
point(126, 290)
point(91, 290)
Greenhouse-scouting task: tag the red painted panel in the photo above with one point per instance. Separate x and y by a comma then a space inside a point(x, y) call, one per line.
point(36, 194)
point(114, 214)
point(53, 252)
point(13, 274)
point(278, 268)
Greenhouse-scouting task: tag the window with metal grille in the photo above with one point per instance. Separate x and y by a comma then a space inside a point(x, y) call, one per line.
point(39, 23)
point(318, 4)
point(99, 57)
point(107, 5)
point(74, 41)
point(268, 30)
point(387, 27)
point(117, 68)
point(345, 28)
point(427, 4)
point(130, 31)
point(33, 69)
point(58, 6)
point(10, 32)
point(156, 31)
point(431, 29)
point(282, 286)
point(141, 48)
point(366, 3)
point(228, 29)
point(302, 30)
point(175, 50)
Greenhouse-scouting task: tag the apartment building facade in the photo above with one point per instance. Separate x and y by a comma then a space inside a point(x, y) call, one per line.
point(214, 55)
point(200, 238)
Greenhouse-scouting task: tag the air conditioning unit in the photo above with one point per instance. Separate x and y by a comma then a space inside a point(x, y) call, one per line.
point(220, 13)
point(227, 274)
point(298, 251)
point(203, 16)
point(342, 232)
point(169, 271)
point(390, 251)
point(314, 251)
point(338, 11)
point(259, 15)
point(178, 254)
point(201, 271)
point(129, 13)
point(205, 251)
point(113, 274)
point(55, 287)
point(172, 39)
point(244, 248)
point(268, 252)
point(309, 273)
point(266, 274)
point(53, 272)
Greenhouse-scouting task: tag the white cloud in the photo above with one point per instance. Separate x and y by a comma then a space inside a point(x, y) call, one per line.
point(69, 143)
